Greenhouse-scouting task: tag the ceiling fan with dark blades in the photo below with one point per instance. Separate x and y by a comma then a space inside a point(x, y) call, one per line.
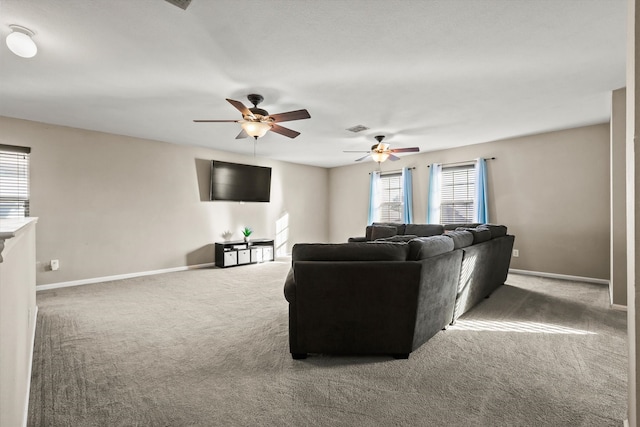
point(256, 122)
point(380, 152)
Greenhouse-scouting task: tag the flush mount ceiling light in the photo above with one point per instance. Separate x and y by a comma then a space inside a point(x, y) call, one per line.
point(19, 41)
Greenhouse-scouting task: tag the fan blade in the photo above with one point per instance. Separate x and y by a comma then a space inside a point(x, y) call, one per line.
point(216, 121)
point(405, 150)
point(393, 158)
point(362, 158)
point(284, 131)
point(240, 106)
point(360, 151)
point(291, 115)
point(242, 134)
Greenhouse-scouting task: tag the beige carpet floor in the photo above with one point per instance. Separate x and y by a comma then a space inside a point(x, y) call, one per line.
point(209, 348)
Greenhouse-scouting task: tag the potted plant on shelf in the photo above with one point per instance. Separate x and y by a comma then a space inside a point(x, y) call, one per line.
point(246, 232)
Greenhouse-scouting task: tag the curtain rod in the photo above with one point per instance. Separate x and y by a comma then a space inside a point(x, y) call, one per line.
point(391, 171)
point(463, 163)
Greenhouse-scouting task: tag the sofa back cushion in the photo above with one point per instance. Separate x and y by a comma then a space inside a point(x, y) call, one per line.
point(496, 230)
point(424, 230)
point(426, 247)
point(461, 238)
point(383, 231)
point(399, 228)
point(479, 234)
point(350, 252)
point(456, 226)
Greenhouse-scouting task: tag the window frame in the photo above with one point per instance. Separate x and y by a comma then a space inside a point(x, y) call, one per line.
point(15, 192)
point(457, 193)
point(386, 205)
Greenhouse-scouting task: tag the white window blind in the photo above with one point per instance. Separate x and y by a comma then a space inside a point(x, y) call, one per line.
point(391, 198)
point(458, 190)
point(14, 181)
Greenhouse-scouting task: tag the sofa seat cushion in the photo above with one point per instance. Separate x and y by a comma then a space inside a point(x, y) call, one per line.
point(426, 247)
point(357, 239)
point(381, 251)
point(461, 238)
point(400, 238)
point(451, 227)
point(424, 230)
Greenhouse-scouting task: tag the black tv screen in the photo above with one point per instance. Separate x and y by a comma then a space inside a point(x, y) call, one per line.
point(240, 183)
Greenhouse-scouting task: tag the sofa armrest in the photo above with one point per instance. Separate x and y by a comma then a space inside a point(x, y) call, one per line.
point(358, 239)
point(290, 287)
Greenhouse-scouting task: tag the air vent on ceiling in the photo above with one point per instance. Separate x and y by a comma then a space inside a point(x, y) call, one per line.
point(357, 128)
point(182, 4)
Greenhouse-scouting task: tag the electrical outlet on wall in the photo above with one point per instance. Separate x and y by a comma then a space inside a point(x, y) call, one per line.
point(55, 264)
point(516, 253)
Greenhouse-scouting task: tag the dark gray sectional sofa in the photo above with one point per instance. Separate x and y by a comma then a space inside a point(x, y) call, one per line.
point(389, 295)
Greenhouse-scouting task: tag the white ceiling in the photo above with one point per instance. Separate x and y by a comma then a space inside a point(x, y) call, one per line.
point(433, 74)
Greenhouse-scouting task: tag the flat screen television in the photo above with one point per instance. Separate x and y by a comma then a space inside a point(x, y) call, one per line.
point(240, 183)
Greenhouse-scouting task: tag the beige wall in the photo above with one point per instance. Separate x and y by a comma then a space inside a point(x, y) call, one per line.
point(551, 190)
point(618, 259)
point(111, 205)
point(633, 203)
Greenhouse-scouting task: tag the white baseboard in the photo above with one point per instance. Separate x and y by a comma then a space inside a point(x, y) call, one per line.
point(559, 276)
point(619, 307)
point(120, 277)
point(25, 414)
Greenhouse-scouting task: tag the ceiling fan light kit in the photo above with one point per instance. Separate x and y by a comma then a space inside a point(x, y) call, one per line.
point(255, 129)
point(381, 151)
point(20, 42)
point(256, 122)
point(379, 156)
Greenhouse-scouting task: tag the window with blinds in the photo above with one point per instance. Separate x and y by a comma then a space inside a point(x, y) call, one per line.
point(14, 181)
point(391, 198)
point(458, 192)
